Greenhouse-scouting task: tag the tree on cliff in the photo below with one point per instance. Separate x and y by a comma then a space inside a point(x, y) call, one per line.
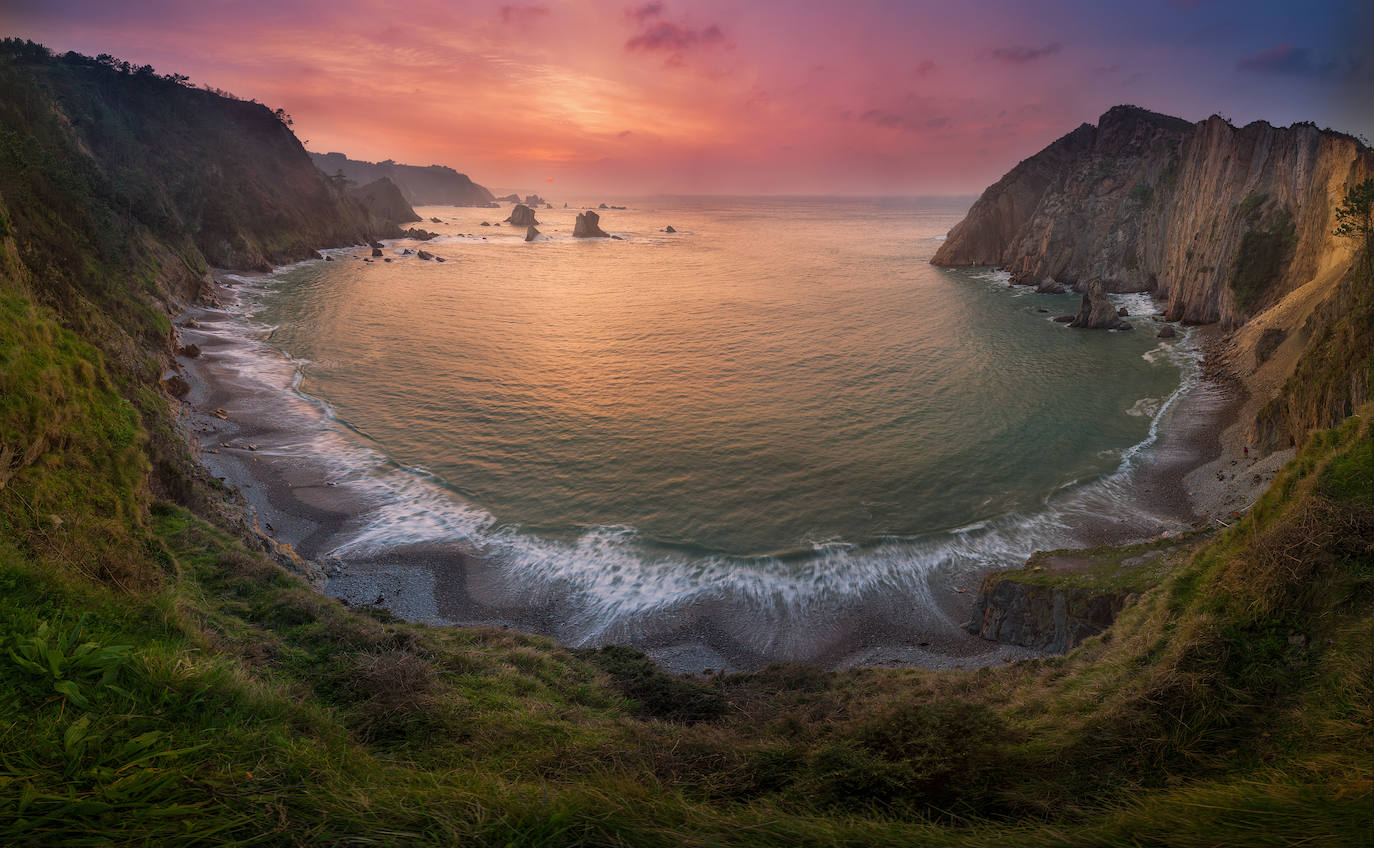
point(1355, 215)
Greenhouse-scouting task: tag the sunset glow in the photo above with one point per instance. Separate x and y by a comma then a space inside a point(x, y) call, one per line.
point(865, 97)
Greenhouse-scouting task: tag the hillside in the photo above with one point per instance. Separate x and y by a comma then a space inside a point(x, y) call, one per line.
point(165, 681)
point(1220, 222)
point(421, 186)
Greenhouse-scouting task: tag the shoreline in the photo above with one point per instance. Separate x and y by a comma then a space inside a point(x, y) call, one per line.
point(249, 434)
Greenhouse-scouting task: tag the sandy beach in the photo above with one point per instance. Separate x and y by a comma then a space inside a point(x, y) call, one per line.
point(255, 436)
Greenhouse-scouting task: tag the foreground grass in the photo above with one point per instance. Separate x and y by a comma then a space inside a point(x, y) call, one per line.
point(163, 685)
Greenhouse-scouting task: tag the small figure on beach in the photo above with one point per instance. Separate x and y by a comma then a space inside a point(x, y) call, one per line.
point(1245, 451)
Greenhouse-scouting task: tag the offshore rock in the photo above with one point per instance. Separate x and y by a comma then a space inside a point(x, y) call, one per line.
point(531, 234)
point(376, 251)
point(588, 225)
point(522, 216)
point(1096, 312)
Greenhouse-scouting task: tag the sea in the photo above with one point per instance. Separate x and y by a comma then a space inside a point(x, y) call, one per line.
point(782, 403)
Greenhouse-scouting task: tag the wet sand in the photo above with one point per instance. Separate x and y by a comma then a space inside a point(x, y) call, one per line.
point(257, 437)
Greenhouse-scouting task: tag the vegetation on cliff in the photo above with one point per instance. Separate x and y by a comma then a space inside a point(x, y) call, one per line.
point(160, 683)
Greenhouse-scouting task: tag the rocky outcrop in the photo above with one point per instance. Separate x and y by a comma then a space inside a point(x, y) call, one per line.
point(1218, 221)
point(384, 202)
point(1096, 312)
point(669, 229)
point(588, 225)
point(419, 185)
point(509, 198)
point(1039, 616)
point(533, 200)
point(531, 234)
point(522, 216)
point(376, 252)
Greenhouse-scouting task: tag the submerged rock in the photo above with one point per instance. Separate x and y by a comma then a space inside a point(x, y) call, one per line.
point(588, 225)
point(1167, 332)
point(1096, 312)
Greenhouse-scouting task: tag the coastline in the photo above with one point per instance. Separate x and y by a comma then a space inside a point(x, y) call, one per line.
point(302, 500)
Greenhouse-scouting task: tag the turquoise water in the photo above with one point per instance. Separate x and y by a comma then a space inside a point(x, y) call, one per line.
point(780, 377)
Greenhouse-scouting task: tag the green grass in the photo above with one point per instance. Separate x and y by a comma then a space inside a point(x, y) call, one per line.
point(1115, 569)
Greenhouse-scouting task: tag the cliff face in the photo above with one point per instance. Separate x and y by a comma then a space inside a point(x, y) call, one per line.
point(384, 202)
point(422, 186)
point(1219, 221)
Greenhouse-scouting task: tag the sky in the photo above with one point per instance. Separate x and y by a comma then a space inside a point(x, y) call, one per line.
point(867, 97)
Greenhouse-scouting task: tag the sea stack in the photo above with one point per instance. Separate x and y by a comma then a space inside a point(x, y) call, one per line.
point(1096, 312)
point(522, 216)
point(531, 234)
point(588, 225)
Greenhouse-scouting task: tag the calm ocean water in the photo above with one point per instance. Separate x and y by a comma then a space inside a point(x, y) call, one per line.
point(783, 389)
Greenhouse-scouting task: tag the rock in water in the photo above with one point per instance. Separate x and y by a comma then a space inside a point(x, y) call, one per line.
point(669, 229)
point(522, 216)
point(1167, 332)
point(588, 225)
point(1096, 312)
point(530, 234)
point(425, 254)
point(376, 251)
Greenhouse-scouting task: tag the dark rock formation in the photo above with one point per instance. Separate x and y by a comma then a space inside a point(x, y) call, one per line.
point(1268, 342)
point(420, 235)
point(376, 251)
point(1122, 312)
point(1096, 312)
point(419, 185)
point(533, 200)
point(603, 206)
point(588, 225)
point(1166, 332)
point(531, 234)
point(424, 254)
point(510, 198)
point(435, 221)
point(190, 351)
point(329, 259)
point(522, 216)
point(1145, 202)
point(669, 229)
point(384, 202)
point(376, 245)
point(1039, 616)
point(486, 223)
point(176, 385)
point(315, 254)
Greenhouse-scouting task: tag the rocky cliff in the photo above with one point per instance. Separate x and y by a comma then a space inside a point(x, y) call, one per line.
point(1218, 221)
point(421, 185)
point(384, 202)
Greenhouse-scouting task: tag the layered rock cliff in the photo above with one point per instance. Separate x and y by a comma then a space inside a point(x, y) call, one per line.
point(1218, 221)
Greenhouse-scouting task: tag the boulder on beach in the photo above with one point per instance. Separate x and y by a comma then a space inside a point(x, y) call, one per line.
point(531, 234)
point(376, 251)
point(486, 223)
point(176, 385)
point(315, 254)
point(425, 254)
point(588, 225)
point(1096, 312)
point(522, 216)
point(190, 351)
